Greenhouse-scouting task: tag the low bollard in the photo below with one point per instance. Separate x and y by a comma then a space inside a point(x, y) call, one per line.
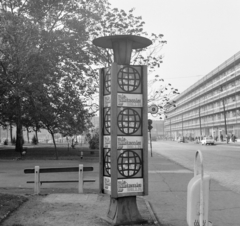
point(36, 180)
point(198, 196)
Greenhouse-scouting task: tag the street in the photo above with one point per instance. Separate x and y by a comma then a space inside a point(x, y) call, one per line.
point(221, 161)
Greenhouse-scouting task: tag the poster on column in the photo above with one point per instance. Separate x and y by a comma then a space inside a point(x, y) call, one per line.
point(124, 185)
point(129, 100)
point(129, 142)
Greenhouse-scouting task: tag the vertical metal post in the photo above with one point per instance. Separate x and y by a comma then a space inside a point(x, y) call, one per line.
point(101, 130)
point(145, 129)
point(200, 123)
point(114, 172)
point(182, 126)
point(224, 114)
point(37, 180)
point(150, 141)
point(80, 179)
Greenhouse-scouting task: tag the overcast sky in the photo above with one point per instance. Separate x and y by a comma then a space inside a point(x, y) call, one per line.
point(200, 34)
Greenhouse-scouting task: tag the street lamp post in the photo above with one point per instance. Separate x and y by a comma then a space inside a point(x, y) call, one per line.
point(224, 113)
point(123, 124)
point(182, 126)
point(200, 123)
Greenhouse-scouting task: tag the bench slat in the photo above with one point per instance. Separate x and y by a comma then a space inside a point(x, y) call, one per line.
point(58, 170)
point(61, 181)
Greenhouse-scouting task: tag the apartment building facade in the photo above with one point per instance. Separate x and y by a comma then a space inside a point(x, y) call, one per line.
point(211, 106)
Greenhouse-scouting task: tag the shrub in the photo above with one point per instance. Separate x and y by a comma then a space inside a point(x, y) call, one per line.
point(94, 141)
point(5, 142)
point(34, 140)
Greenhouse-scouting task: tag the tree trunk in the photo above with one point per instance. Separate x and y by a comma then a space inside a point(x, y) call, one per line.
point(36, 134)
point(19, 137)
point(55, 146)
point(27, 134)
point(11, 137)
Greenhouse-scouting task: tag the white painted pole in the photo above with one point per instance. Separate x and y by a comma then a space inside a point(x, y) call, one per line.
point(201, 182)
point(37, 180)
point(80, 179)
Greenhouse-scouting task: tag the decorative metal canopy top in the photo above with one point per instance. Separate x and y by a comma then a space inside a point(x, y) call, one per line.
point(122, 46)
point(138, 42)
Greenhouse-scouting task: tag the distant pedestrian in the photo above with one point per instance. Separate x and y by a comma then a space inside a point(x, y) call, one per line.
point(221, 137)
point(227, 138)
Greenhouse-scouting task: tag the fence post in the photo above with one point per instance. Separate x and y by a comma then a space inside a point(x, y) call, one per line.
point(80, 179)
point(37, 180)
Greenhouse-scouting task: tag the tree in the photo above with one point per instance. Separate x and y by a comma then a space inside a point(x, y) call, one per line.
point(41, 44)
point(117, 22)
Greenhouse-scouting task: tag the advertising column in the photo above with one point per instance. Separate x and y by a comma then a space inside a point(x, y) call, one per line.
point(124, 156)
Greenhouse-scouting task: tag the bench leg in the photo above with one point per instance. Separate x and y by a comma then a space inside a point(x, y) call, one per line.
point(37, 180)
point(80, 179)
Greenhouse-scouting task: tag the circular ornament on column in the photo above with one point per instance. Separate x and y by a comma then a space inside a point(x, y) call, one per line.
point(128, 121)
point(107, 81)
point(129, 163)
point(107, 162)
point(107, 120)
point(129, 79)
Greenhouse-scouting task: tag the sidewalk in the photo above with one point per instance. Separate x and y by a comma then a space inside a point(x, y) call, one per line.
point(168, 195)
point(167, 201)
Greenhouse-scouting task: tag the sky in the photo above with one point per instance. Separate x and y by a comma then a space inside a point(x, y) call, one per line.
point(200, 34)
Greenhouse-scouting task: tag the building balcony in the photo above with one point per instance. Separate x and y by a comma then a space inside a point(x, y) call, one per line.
point(231, 76)
point(214, 98)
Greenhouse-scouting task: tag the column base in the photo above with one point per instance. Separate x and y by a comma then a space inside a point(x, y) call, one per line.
point(124, 211)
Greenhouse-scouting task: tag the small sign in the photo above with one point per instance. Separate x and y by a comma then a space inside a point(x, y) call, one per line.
point(129, 100)
point(130, 185)
point(107, 183)
point(124, 185)
point(107, 101)
point(153, 109)
point(129, 142)
point(106, 141)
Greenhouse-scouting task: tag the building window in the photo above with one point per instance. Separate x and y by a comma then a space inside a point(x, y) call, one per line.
point(238, 112)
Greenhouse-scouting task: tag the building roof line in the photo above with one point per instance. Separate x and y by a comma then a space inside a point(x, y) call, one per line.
point(218, 69)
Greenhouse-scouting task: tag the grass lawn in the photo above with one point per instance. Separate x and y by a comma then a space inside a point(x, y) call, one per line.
point(8, 202)
point(43, 151)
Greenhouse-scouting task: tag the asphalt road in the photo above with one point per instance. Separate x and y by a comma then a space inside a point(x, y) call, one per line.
point(221, 162)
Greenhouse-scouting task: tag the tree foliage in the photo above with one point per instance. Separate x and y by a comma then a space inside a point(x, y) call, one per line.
point(119, 22)
point(161, 94)
point(42, 54)
point(48, 64)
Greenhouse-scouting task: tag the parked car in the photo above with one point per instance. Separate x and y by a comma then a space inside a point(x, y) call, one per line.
point(180, 139)
point(208, 140)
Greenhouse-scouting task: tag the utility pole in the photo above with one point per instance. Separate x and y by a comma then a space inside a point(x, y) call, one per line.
point(200, 123)
point(182, 125)
point(224, 112)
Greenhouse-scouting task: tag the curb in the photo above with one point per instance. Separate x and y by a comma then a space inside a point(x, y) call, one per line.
point(150, 209)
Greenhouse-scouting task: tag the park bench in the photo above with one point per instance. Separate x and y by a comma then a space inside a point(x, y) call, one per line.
point(37, 170)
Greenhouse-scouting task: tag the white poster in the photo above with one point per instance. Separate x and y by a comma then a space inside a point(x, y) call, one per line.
point(129, 100)
point(130, 185)
point(124, 185)
point(107, 183)
point(129, 142)
point(106, 141)
point(107, 101)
